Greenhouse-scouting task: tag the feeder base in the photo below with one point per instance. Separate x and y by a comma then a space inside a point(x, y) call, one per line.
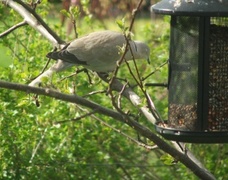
point(192, 136)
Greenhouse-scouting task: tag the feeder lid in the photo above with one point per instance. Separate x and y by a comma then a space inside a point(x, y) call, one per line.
point(192, 7)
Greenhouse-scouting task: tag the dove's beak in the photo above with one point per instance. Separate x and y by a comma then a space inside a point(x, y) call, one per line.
point(148, 60)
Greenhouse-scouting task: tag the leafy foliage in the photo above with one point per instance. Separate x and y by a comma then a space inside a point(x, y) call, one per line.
point(35, 146)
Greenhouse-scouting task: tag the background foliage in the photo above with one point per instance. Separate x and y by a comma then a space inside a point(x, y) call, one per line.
point(33, 146)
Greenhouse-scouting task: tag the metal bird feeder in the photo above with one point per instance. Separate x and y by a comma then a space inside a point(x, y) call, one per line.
point(198, 71)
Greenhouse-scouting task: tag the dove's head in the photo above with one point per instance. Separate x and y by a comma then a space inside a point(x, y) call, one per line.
point(140, 50)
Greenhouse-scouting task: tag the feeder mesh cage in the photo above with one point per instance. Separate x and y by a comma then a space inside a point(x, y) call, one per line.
point(218, 75)
point(185, 76)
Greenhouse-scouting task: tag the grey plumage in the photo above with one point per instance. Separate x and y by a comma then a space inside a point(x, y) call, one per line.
point(99, 51)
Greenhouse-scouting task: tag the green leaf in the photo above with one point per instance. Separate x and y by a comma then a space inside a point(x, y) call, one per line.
point(121, 23)
point(167, 159)
point(74, 11)
point(65, 13)
point(5, 59)
point(23, 102)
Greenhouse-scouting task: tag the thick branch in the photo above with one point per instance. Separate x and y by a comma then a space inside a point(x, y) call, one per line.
point(65, 97)
point(197, 170)
point(34, 20)
point(38, 24)
point(40, 20)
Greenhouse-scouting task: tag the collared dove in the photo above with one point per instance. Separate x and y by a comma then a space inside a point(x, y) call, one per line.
point(99, 51)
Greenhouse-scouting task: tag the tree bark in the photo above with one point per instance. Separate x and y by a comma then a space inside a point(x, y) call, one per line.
point(38, 24)
point(184, 158)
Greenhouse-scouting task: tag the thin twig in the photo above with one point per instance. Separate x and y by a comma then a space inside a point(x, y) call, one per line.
point(134, 12)
point(94, 92)
point(154, 111)
point(75, 28)
point(117, 68)
point(8, 31)
point(16, 37)
point(160, 66)
point(120, 132)
point(44, 68)
point(120, 95)
point(38, 145)
point(149, 101)
point(71, 75)
point(139, 82)
point(127, 38)
point(35, 4)
point(76, 73)
point(104, 77)
point(76, 119)
point(124, 134)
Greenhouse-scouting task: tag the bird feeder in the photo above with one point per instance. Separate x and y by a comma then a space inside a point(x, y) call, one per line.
point(198, 71)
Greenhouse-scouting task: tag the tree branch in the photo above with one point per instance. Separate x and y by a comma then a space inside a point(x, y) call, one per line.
point(130, 95)
point(34, 20)
point(38, 24)
point(23, 23)
point(144, 131)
